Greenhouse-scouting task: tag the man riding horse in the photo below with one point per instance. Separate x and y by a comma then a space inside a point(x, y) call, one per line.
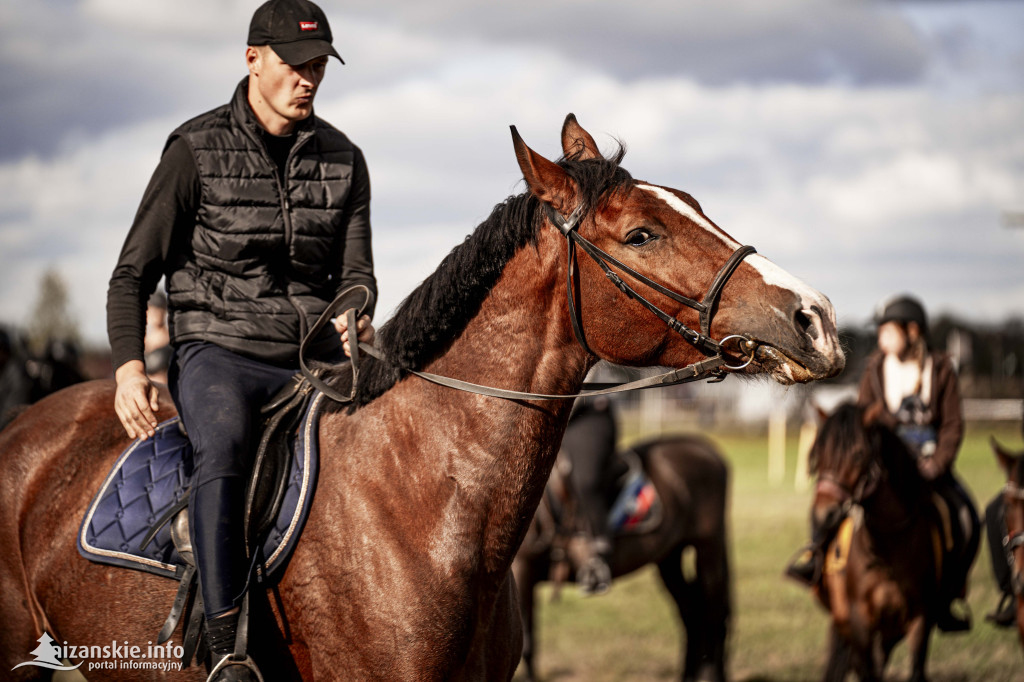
point(914, 390)
point(257, 215)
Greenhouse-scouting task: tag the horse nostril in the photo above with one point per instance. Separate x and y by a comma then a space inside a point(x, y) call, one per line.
point(804, 320)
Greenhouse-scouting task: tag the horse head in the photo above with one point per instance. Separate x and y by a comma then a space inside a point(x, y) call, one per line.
point(1013, 495)
point(692, 275)
point(846, 458)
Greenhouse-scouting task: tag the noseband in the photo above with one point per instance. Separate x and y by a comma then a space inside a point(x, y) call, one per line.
point(863, 488)
point(701, 340)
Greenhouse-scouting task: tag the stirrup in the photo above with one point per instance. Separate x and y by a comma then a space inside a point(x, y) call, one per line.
point(805, 567)
point(231, 660)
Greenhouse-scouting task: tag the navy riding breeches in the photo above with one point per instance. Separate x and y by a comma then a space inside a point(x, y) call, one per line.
point(219, 394)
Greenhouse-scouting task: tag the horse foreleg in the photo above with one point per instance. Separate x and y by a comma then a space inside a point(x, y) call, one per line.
point(838, 657)
point(918, 637)
point(523, 572)
point(713, 584)
point(688, 604)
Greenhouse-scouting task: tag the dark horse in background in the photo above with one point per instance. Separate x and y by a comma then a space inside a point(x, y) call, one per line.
point(1013, 496)
point(882, 576)
point(691, 479)
point(424, 493)
point(25, 378)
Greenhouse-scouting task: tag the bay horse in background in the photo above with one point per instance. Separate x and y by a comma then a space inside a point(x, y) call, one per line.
point(424, 493)
point(1013, 496)
point(691, 480)
point(883, 571)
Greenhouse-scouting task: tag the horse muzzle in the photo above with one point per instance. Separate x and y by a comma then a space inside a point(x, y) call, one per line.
point(800, 344)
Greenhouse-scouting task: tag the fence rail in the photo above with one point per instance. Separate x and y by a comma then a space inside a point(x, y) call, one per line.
point(993, 409)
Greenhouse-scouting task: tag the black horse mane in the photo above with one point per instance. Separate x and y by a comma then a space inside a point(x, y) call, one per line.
point(438, 310)
point(845, 441)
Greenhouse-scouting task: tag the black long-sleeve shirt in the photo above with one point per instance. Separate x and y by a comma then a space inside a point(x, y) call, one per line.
point(159, 235)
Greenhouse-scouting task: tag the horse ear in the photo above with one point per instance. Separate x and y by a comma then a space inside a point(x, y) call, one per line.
point(1006, 459)
point(577, 143)
point(546, 179)
point(819, 412)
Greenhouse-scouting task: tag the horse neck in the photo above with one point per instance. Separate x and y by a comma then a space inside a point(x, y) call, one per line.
point(498, 453)
point(892, 509)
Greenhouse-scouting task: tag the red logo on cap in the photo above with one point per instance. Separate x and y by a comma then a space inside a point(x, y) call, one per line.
point(308, 25)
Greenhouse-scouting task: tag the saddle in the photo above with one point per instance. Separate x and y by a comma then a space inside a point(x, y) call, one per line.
point(948, 535)
point(634, 504)
point(138, 518)
point(636, 507)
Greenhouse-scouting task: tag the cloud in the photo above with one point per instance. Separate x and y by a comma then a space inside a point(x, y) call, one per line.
point(859, 192)
point(715, 43)
point(860, 185)
point(102, 73)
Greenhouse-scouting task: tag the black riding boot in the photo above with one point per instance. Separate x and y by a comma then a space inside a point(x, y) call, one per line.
point(951, 588)
point(595, 576)
point(948, 620)
point(216, 528)
point(221, 633)
point(966, 529)
point(806, 568)
point(809, 563)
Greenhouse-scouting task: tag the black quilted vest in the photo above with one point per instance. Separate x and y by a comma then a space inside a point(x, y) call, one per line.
point(265, 256)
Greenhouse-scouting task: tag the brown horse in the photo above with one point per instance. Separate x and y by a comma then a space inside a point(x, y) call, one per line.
point(424, 493)
point(691, 479)
point(1013, 495)
point(881, 580)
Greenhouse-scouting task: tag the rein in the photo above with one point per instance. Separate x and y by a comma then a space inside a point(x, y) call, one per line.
point(712, 368)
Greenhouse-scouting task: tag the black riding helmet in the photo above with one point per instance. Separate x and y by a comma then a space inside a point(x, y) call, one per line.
point(902, 309)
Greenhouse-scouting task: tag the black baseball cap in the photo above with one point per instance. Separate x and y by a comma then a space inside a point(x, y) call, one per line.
point(297, 30)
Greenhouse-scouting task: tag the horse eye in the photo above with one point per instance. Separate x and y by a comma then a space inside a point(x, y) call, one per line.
point(639, 237)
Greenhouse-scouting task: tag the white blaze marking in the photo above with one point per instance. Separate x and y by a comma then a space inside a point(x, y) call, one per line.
point(680, 206)
point(771, 273)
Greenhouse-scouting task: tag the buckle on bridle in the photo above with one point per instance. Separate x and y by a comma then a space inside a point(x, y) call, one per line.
point(564, 225)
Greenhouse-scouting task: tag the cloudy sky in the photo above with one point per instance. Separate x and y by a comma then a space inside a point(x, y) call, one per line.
point(868, 147)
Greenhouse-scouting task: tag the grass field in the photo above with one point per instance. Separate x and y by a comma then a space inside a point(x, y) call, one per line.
point(778, 631)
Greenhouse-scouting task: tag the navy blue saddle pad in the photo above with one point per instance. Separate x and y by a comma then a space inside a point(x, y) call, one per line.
point(152, 475)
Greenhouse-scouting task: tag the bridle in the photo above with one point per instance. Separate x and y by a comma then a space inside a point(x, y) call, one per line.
point(701, 340)
point(1011, 543)
point(713, 367)
point(863, 488)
